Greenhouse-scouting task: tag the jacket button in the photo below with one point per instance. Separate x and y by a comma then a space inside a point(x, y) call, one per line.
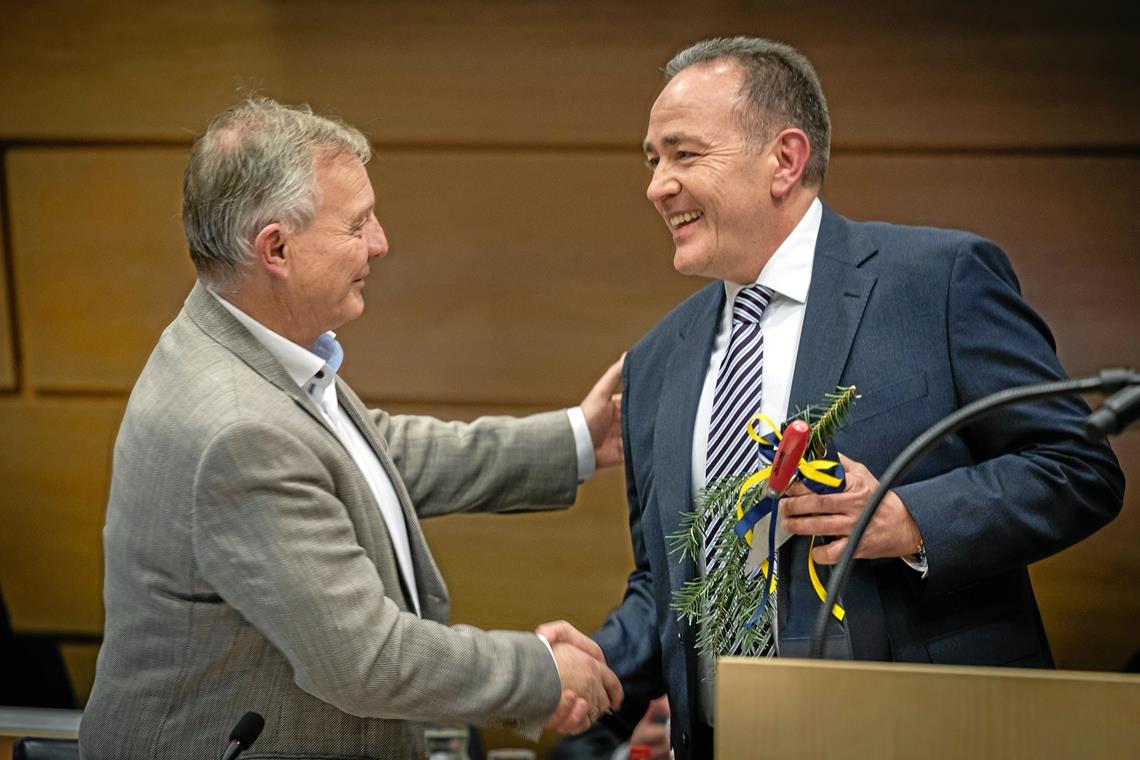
point(684, 739)
point(680, 638)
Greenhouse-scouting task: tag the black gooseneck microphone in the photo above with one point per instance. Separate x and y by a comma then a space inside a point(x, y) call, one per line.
point(244, 734)
point(1119, 411)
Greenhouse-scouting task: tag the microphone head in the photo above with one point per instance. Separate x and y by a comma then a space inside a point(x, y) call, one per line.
point(247, 729)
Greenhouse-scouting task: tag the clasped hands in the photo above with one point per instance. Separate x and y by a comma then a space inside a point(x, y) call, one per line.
point(589, 687)
point(891, 533)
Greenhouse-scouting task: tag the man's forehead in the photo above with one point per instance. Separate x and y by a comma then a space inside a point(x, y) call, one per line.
point(701, 96)
point(344, 191)
point(712, 82)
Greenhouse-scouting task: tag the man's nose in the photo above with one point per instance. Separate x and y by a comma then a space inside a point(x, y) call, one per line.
point(663, 185)
point(377, 240)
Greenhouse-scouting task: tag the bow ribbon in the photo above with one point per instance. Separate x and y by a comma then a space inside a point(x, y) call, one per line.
point(822, 476)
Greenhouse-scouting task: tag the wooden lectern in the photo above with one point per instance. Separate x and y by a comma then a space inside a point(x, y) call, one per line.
point(787, 708)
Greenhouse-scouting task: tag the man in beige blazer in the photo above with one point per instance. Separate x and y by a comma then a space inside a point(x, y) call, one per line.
point(263, 550)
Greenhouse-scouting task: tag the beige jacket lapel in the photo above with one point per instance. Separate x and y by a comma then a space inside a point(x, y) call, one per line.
point(203, 308)
point(434, 603)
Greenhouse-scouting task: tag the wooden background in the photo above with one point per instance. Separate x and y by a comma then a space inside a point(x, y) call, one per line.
point(525, 257)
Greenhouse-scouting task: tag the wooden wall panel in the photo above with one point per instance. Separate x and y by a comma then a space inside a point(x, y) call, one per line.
point(511, 278)
point(7, 355)
point(516, 571)
point(101, 262)
point(55, 464)
point(92, 70)
point(896, 73)
point(79, 659)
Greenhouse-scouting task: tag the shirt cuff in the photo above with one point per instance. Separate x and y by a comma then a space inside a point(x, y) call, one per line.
point(582, 442)
point(532, 730)
point(551, 650)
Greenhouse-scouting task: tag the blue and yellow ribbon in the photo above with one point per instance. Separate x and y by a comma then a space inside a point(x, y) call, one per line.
point(822, 476)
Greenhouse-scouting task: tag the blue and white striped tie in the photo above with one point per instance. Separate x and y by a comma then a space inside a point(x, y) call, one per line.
point(736, 398)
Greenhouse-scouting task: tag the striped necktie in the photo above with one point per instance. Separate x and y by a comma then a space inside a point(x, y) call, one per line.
point(735, 399)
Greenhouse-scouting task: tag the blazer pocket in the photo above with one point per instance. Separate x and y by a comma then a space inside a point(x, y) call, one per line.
point(886, 397)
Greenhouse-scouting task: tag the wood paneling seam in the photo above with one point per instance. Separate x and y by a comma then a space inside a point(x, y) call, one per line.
point(8, 256)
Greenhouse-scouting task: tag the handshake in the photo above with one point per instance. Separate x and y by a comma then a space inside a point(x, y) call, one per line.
point(589, 687)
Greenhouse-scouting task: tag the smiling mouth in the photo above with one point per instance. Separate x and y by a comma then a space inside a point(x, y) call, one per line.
point(678, 221)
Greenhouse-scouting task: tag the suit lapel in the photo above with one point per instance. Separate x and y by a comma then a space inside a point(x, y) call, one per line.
point(676, 412)
point(429, 581)
point(203, 308)
point(836, 299)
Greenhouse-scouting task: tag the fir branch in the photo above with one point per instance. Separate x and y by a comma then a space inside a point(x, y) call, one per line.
point(691, 600)
point(831, 418)
point(686, 540)
point(725, 599)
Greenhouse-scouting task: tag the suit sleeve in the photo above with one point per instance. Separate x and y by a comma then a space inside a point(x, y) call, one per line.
point(492, 464)
point(271, 536)
point(1037, 486)
point(629, 636)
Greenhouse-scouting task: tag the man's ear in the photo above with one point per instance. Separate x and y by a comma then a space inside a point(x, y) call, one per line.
point(269, 250)
point(791, 150)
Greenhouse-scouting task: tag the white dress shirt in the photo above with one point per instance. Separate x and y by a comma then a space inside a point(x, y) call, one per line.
point(314, 371)
point(788, 275)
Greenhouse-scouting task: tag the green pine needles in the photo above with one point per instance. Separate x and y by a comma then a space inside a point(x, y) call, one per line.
point(828, 418)
point(726, 598)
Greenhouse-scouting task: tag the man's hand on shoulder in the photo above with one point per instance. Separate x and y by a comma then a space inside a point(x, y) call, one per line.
point(602, 409)
point(892, 532)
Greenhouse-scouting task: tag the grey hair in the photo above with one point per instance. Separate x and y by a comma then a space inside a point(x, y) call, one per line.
point(254, 166)
point(780, 89)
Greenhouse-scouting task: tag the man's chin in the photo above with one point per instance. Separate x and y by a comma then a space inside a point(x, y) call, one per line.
point(689, 264)
point(354, 308)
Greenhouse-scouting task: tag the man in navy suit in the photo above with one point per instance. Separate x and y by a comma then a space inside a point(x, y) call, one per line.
point(922, 320)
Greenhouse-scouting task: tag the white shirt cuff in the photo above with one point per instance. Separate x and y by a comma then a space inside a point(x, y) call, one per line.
point(551, 650)
point(582, 442)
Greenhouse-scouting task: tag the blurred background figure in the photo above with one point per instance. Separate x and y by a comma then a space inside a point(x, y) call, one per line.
point(610, 739)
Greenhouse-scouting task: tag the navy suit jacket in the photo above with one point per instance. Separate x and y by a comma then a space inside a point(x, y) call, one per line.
point(923, 321)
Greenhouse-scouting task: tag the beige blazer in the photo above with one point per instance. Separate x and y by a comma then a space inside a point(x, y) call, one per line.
point(248, 566)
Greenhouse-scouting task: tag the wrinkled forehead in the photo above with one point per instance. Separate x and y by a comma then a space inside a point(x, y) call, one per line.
point(710, 82)
point(343, 183)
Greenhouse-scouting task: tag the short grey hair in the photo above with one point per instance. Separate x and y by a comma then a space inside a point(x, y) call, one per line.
point(780, 89)
point(254, 166)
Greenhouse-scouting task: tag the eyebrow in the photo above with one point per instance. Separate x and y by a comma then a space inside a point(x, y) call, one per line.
point(673, 140)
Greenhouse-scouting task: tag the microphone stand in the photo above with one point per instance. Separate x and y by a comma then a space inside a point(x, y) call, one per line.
point(1097, 426)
